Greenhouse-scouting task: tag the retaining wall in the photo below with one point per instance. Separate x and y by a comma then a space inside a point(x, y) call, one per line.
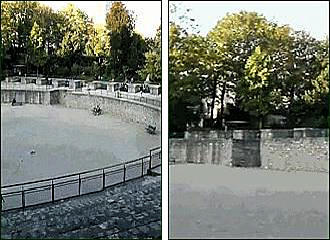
point(296, 149)
point(26, 96)
point(214, 151)
point(128, 110)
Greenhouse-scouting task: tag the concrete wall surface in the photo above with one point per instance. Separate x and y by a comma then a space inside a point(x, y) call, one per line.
point(280, 149)
point(25, 96)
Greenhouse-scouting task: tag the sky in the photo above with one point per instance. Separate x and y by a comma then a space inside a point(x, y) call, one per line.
point(311, 16)
point(148, 13)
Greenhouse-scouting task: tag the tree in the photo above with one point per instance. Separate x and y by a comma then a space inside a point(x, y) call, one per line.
point(39, 54)
point(75, 35)
point(98, 48)
point(237, 35)
point(320, 84)
point(265, 67)
point(16, 24)
point(182, 89)
point(136, 58)
point(120, 23)
point(302, 68)
point(258, 89)
point(17, 21)
point(152, 65)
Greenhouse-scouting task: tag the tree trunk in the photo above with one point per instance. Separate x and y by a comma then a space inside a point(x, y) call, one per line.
point(222, 99)
point(214, 95)
point(290, 120)
point(260, 122)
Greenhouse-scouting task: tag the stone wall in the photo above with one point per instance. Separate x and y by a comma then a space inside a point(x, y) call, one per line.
point(200, 147)
point(128, 110)
point(295, 149)
point(25, 96)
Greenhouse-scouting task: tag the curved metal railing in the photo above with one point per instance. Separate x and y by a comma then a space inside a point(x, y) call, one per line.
point(22, 195)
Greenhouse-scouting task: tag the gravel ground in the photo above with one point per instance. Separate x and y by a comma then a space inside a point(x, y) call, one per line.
point(209, 201)
point(66, 141)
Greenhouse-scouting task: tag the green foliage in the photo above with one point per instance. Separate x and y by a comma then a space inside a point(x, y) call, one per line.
point(37, 39)
point(67, 43)
point(258, 89)
point(98, 44)
point(75, 35)
point(119, 19)
point(127, 47)
point(269, 69)
point(320, 84)
point(152, 65)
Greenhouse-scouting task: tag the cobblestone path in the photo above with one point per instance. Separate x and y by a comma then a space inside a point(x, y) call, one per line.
point(129, 210)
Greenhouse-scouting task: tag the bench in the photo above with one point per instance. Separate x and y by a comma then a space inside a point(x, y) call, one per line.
point(14, 103)
point(150, 129)
point(17, 104)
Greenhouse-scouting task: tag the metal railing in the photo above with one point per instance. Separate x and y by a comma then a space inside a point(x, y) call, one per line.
point(22, 195)
point(144, 99)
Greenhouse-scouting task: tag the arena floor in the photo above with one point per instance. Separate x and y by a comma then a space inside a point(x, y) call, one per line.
point(65, 141)
point(210, 201)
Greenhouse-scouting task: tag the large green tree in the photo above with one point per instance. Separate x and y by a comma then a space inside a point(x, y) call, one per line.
point(184, 87)
point(17, 19)
point(152, 65)
point(127, 47)
point(75, 35)
point(267, 68)
point(17, 22)
point(39, 53)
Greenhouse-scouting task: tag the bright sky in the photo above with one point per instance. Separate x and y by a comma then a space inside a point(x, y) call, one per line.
point(310, 16)
point(148, 13)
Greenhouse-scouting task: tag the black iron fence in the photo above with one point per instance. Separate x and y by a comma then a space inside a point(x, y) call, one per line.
point(32, 193)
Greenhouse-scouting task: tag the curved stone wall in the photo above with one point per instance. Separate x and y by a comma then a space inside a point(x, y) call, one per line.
point(127, 110)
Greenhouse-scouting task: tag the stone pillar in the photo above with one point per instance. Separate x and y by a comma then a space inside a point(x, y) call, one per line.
point(155, 89)
point(246, 148)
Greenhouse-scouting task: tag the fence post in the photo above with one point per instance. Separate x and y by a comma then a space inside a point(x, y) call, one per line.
point(23, 198)
point(103, 187)
point(53, 197)
point(79, 184)
point(142, 169)
point(124, 172)
point(150, 160)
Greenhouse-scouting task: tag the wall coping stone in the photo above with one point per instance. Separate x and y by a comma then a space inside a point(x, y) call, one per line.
point(263, 134)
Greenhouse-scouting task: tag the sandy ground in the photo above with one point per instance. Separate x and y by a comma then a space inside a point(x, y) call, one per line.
point(210, 201)
point(66, 141)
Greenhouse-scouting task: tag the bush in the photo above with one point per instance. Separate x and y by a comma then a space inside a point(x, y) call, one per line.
point(62, 72)
point(315, 122)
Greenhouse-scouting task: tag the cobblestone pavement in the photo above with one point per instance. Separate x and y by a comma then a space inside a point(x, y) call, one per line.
point(129, 210)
